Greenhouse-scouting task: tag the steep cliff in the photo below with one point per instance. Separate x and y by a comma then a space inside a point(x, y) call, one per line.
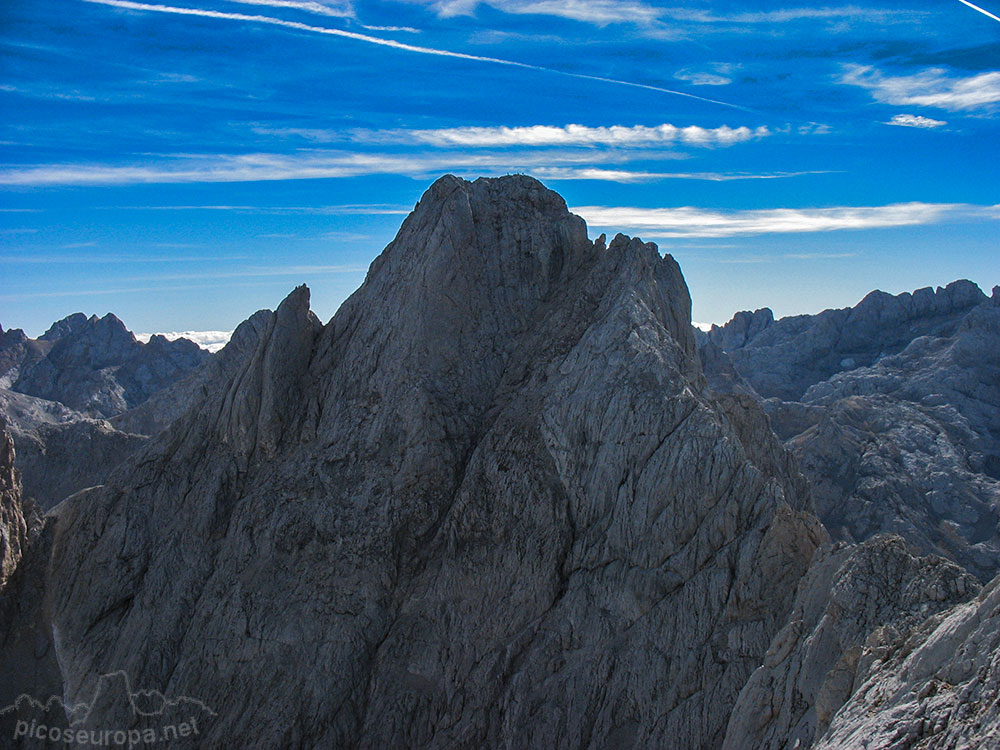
point(492, 503)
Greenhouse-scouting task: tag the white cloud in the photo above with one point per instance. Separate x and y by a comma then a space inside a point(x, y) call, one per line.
point(367, 38)
point(702, 78)
point(303, 165)
point(335, 9)
point(603, 12)
point(213, 341)
point(915, 121)
point(600, 12)
point(568, 135)
point(929, 88)
point(626, 177)
point(699, 222)
point(359, 209)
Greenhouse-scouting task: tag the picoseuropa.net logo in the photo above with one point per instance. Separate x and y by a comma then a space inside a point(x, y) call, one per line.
point(116, 717)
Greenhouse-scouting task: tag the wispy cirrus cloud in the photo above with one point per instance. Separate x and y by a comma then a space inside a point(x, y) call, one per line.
point(933, 87)
point(604, 12)
point(627, 177)
point(358, 209)
point(699, 222)
point(545, 163)
point(567, 135)
point(915, 121)
point(333, 9)
point(600, 12)
point(714, 74)
point(391, 43)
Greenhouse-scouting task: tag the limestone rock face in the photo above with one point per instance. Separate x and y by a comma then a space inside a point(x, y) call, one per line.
point(60, 451)
point(492, 503)
point(17, 352)
point(851, 594)
point(783, 358)
point(97, 367)
point(936, 687)
point(909, 444)
point(13, 527)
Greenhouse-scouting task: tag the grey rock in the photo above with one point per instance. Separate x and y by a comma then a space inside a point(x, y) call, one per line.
point(936, 687)
point(13, 527)
point(849, 594)
point(909, 444)
point(912, 445)
point(166, 405)
point(783, 358)
point(17, 353)
point(97, 367)
point(492, 503)
point(60, 451)
point(74, 323)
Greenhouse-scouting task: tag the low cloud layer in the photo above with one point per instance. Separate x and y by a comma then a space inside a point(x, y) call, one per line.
point(213, 341)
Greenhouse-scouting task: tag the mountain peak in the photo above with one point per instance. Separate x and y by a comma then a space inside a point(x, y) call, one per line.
point(69, 324)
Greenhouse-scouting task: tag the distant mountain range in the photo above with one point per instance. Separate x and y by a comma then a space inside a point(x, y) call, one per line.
point(58, 389)
point(509, 497)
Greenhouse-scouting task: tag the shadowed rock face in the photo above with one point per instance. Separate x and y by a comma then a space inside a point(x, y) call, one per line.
point(64, 382)
point(59, 451)
point(96, 366)
point(490, 504)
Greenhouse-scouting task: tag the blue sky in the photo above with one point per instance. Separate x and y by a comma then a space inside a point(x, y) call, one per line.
point(185, 163)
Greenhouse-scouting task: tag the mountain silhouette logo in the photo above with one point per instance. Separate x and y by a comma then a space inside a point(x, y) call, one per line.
point(116, 714)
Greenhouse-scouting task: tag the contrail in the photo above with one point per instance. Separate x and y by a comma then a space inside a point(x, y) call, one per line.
point(976, 7)
point(129, 5)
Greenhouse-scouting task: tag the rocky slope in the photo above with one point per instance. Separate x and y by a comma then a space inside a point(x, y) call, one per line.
point(492, 503)
point(13, 527)
point(852, 594)
point(97, 367)
point(782, 358)
point(934, 688)
point(909, 444)
point(60, 451)
point(18, 352)
point(55, 391)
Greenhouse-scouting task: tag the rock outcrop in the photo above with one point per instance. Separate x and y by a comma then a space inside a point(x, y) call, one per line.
point(55, 391)
point(851, 595)
point(492, 503)
point(18, 352)
point(97, 367)
point(13, 527)
point(60, 451)
point(909, 444)
point(782, 358)
point(935, 688)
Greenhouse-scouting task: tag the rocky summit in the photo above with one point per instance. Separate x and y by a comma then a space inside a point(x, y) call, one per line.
point(495, 502)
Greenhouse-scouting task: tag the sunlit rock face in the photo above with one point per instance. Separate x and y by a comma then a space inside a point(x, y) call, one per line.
point(491, 503)
point(902, 436)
